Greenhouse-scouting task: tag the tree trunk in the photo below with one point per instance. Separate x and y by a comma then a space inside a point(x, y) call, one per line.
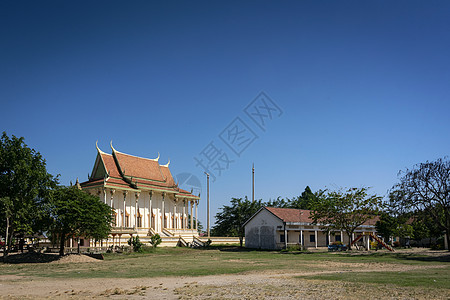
point(61, 245)
point(5, 252)
point(448, 238)
point(9, 239)
point(241, 238)
point(349, 241)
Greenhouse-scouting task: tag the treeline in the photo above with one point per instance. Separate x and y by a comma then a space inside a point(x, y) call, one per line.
point(229, 222)
point(417, 207)
point(32, 201)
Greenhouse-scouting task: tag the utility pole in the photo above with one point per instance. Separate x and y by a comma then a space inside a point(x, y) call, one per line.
point(207, 195)
point(253, 183)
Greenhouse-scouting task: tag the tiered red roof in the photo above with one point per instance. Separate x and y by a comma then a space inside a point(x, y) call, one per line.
point(120, 170)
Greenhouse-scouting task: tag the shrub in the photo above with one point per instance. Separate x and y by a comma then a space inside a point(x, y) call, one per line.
point(207, 243)
point(396, 244)
point(135, 243)
point(337, 243)
point(373, 245)
point(155, 240)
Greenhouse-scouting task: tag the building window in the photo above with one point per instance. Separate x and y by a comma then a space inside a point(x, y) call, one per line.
point(139, 222)
point(281, 238)
point(312, 238)
point(337, 238)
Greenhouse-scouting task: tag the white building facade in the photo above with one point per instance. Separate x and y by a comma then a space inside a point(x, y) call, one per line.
point(277, 228)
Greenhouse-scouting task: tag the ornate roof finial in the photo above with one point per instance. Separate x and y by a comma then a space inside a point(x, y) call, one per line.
point(77, 184)
point(155, 159)
point(98, 149)
point(112, 148)
point(166, 165)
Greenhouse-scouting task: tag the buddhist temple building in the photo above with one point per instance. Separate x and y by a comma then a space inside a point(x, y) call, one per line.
point(144, 196)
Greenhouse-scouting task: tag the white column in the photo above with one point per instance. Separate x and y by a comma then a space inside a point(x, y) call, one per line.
point(368, 243)
point(136, 210)
point(192, 216)
point(329, 238)
point(196, 215)
point(184, 214)
point(301, 237)
point(342, 238)
point(104, 195)
point(285, 237)
point(150, 211)
point(124, 208)
point(175, 214)
point(112, 205)
point(163, 213)
point(315, 237)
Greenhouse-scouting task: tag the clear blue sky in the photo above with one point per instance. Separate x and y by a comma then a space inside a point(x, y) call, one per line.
point(363, 87)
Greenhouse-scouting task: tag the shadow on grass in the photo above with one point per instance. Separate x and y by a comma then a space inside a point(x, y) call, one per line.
point(442, 257)
point(29, 258)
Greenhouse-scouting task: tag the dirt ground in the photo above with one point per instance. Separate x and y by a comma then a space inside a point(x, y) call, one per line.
point(254, 285)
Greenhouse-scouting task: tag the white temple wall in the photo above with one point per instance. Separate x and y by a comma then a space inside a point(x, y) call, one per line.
point(174, 217)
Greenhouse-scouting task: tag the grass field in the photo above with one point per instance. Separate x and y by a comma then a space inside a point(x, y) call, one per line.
point(375, 270)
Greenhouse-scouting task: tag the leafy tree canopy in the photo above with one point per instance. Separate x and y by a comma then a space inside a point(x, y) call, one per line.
point(426, 187)
point(230, 221)
point(77, 213)
point(24, 180)
point(345, 209)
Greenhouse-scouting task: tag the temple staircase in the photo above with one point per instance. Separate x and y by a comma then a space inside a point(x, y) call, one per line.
point(197, 243)
point(168, 233)
point(182, 242)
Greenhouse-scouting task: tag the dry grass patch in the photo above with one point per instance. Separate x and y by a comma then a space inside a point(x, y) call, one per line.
point(305, 289)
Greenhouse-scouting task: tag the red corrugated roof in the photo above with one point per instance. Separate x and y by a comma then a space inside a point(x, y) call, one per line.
point(303, 215)
point(291, 214)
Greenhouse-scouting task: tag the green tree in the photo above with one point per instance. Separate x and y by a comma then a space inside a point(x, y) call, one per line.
point(24, 181)
point(155, 240)
point(386, 225)
point(427, 188)
point(135, 243)
point(230, 221)
point(345, 209)
point(279, 202)
point(307, 200)
point(199, 224)
point(77, 213)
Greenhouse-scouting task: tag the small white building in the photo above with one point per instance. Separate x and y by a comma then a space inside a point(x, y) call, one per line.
point(277, 228)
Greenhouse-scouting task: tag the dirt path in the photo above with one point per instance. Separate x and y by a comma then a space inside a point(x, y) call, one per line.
point(262, 285)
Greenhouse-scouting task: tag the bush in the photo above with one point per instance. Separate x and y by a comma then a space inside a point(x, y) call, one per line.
point(337, 243)
point(396, 244)
point(135, 243)
point(155, 240)
point(373, 245)
point(292, 248)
